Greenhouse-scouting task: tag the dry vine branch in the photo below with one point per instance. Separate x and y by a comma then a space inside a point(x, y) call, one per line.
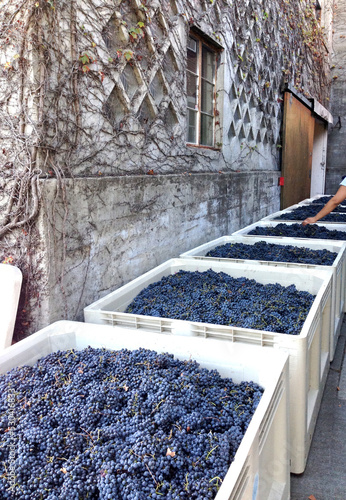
point(26, 217)
point(62, 76)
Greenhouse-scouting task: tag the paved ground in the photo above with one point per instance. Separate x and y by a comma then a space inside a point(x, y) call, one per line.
point(324, 477)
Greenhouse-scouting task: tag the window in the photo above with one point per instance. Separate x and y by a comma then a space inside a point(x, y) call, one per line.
point(201, 81)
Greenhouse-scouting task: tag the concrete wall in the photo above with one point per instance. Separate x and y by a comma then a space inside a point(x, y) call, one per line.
point(112, 229)
point(336, 153)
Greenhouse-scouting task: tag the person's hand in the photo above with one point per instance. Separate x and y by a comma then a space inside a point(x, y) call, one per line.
point(309, 220)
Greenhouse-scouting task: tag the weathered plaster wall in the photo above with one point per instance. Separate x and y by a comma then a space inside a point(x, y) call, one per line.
point(95, 122)
point(112, 229)
point(336, 153)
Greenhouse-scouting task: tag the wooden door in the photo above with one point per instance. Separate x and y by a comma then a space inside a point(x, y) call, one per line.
point(297, 146)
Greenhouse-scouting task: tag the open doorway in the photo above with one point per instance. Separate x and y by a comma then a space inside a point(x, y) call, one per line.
point(304, 148)
point(319, 155)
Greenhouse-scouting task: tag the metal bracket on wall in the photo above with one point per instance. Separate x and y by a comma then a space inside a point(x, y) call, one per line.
point(337, 125)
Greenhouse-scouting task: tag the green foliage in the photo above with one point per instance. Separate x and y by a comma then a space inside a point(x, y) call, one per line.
point(136, 31)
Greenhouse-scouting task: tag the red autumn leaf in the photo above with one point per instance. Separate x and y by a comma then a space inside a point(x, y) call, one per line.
point(312, 497)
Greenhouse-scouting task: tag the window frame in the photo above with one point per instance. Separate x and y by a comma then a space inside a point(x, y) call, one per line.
point(216, 50)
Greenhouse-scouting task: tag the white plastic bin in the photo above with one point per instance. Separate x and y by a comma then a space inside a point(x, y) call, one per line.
point(10, 286)
point(289, 210)
point(309, 351)
point(271, 223)
point(313, 199)
point(338, 268)
point(245, 232)
point(280, 212)
point(260, 469)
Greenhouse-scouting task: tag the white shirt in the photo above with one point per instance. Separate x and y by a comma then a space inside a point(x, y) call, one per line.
point(343, 182)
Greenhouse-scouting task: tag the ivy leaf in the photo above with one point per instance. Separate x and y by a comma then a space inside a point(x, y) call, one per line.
point(128, 55)
point(84, 59)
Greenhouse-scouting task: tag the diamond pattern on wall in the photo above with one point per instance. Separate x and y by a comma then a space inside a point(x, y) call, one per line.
point(116, 107)
point(147, 111)
point(129, 80)
point(171, 119)
point(150, 86)
point(253, 93)
point(157, 89)
point(149, 78)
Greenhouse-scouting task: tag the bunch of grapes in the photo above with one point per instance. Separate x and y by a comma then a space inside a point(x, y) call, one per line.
point(299, 231)
point(218, 298)
point(303, 212)
point(262, 250)
point(130, 425)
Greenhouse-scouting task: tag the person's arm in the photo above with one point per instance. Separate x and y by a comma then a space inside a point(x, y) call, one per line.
point(338, 198)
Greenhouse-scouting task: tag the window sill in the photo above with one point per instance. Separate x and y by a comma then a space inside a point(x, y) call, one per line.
point(199, 146)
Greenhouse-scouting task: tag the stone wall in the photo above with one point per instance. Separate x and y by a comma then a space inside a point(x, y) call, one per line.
point(130, 108)
point(111, 230)
point(99, 119)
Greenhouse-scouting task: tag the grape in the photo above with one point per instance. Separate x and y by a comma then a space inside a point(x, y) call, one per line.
point(134, 425)
point(299, 231)
point(303, 212)
point(211, 297)
point(322, 200)
point(262, 250)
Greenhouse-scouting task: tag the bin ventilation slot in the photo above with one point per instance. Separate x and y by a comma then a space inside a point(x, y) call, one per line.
point(313, 327)
point(326, 295)
point(271, 412)
point(241, 483)
point(339, 267)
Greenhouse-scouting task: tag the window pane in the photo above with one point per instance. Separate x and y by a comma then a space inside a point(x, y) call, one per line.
point(207, 130)
point(207, 98)
point(192, 55)
point(208, 64)
point(191, 131)
point(191, 90)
